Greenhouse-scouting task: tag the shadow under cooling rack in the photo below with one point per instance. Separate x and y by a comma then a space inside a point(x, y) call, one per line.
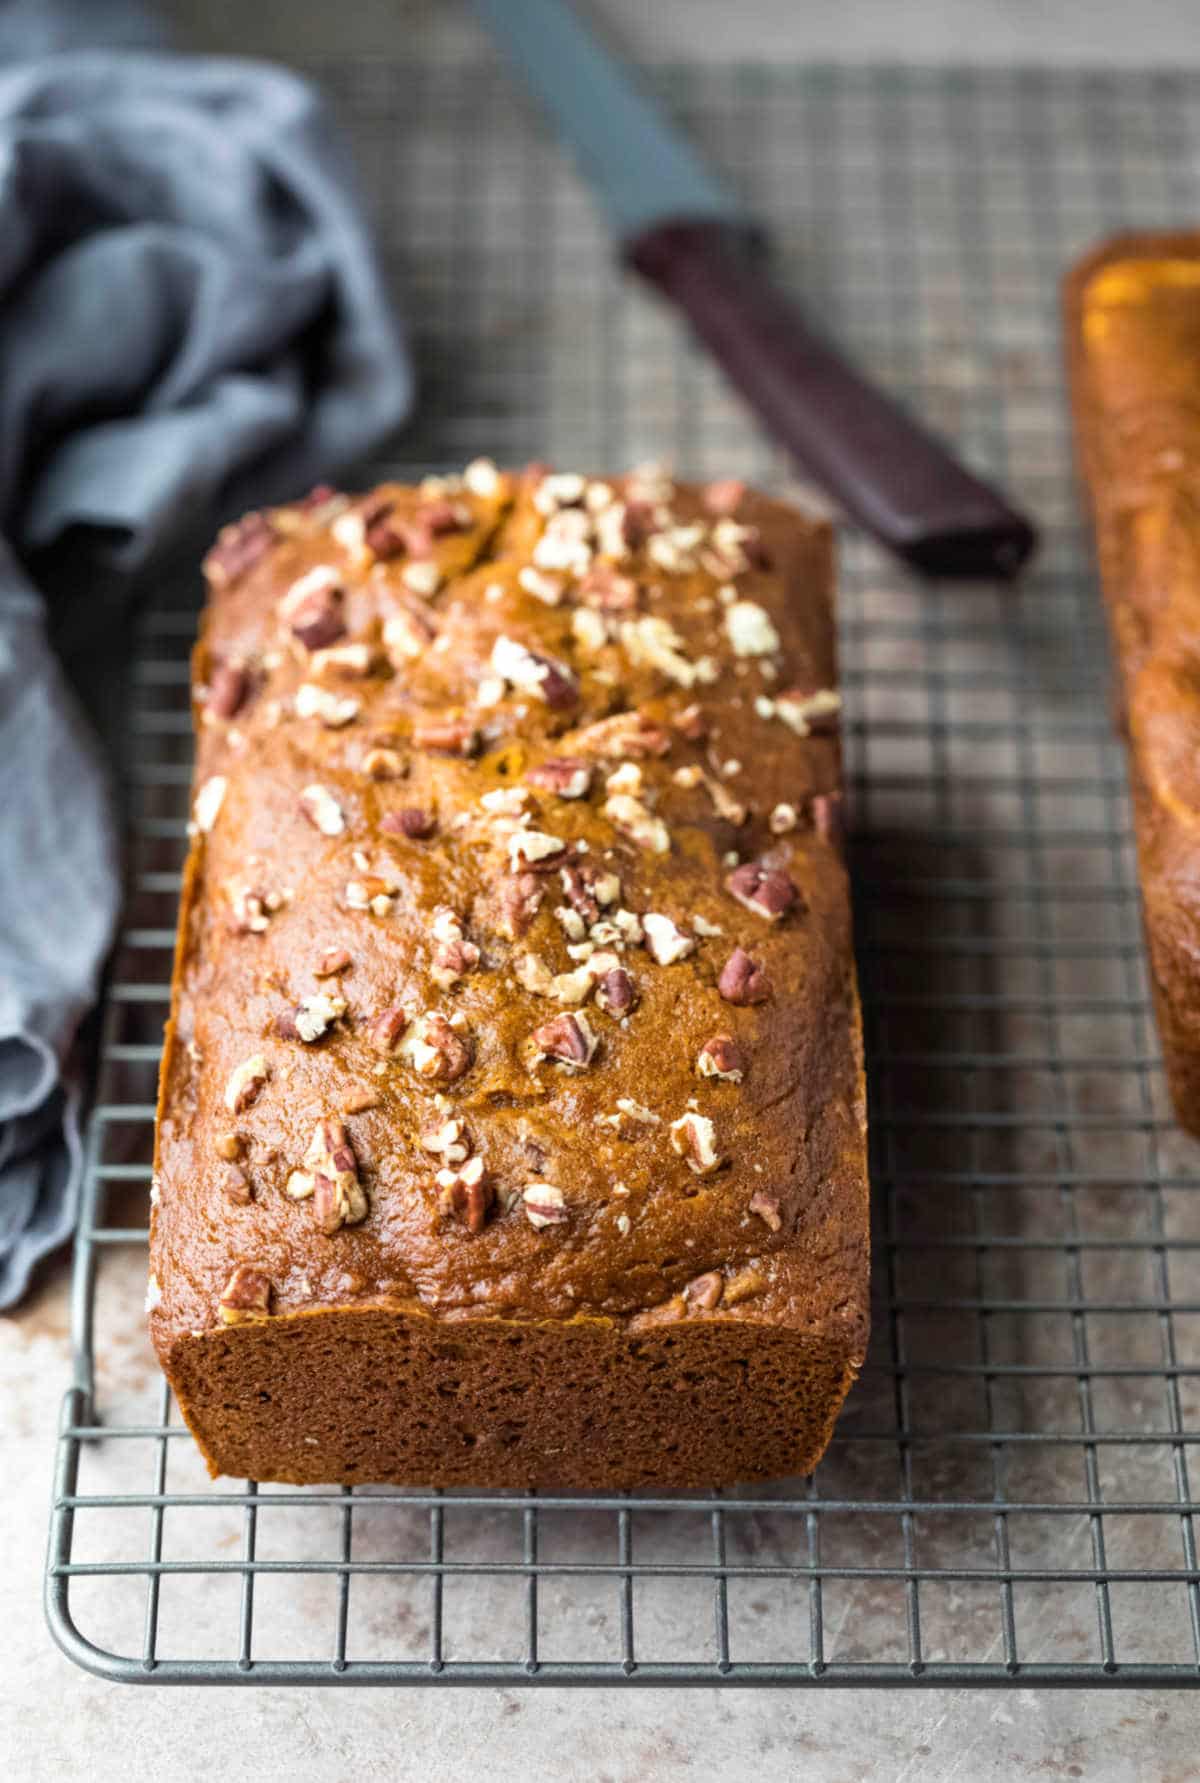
point(1008, 1496)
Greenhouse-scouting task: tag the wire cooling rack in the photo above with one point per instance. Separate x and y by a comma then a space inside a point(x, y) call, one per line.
point(1008, 1497)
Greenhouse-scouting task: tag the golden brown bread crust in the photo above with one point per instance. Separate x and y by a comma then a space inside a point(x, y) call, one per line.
point(432, 1204)
point(1133, 336)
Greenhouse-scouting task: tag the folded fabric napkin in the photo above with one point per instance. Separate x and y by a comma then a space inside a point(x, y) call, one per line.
point(192, 320)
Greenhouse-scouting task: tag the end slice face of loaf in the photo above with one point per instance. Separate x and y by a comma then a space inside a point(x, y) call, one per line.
point(512, 1123)
point(1133, 332)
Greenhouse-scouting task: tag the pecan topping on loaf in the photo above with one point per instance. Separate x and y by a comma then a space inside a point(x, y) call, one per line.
point(705, 1292)
point(565, 776)
point(246, 1083)
point(743, 980)
point(666, 940)
point(567, 1040)
point(228, 686)
point(767, 1208)
point(322, 810)
point(694, 1138)
point(434, 1050)
point(312, 1018)
point(544, 1204)
point(467, 1193)
point(763, 889)
point(809, 711)
point(616, 993)
point(455, 955)
point(246, 1295)
point(330, 1179)
point(412, 821)
point(721, 1057)
point(446, 736)
point(312, 608)
point(208, 802)
point(238, 548)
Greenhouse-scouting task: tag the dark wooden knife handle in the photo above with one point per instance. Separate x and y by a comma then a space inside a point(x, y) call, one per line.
point(880, 464)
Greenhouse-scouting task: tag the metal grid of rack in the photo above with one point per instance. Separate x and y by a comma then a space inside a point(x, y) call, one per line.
point(1008, 1497)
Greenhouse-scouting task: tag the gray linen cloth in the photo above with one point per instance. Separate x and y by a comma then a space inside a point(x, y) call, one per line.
point(192, 320)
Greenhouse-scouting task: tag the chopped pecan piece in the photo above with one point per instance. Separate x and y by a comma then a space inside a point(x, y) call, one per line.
point(721, 1056)
point(238, 548)
point(809, 711)
point(765, 890)
point(311, 1018)
point(625, 734)
point(577, 882)
point(373, 893)
point(330, 1177)
point(541, 676)
point(604, 588)
point(454, 955)
point(228, 686)
point(331, 710)
point(467, 1194)
point(235, 1185)
point(544, 588)
point(312, 608)
point(743, 980)
point(767, 1207)
point(544, 1204)
point(449, 1140)
point(432, 520)
point(616, 992)
point(386, 1030)
point(635, 820)
point(355, 661)
point(567, 1040)
point(209, 800)
point(246, 1295)
point(518, 899)
point(694, 1138)
point(563, 775)
point(692, 724)
point(750, 630)
point(422, 576)
point(705, 1292)
point(411, 821)
point(359, 1101)
point(228, 1146)
point(384, 764)
point(446, 736)
point(322, 810)
point(375, 530)
point(481, 478)
point(783, 819)
point(535, 851)
point(434, 1050)
point(407, 634)
point(331, 962)
point(250, 910)
point(666, 941)
point(246, 1083)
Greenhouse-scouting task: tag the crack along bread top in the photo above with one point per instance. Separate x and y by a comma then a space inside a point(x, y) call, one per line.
point(514, 975)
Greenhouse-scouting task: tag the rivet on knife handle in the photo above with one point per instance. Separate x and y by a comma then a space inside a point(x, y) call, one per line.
point(880, 464)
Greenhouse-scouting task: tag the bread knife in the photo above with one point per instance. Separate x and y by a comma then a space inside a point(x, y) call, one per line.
point(682, 231)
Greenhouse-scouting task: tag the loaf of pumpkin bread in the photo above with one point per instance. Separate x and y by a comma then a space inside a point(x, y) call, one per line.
point(511, 1122)
point(1133, 331)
